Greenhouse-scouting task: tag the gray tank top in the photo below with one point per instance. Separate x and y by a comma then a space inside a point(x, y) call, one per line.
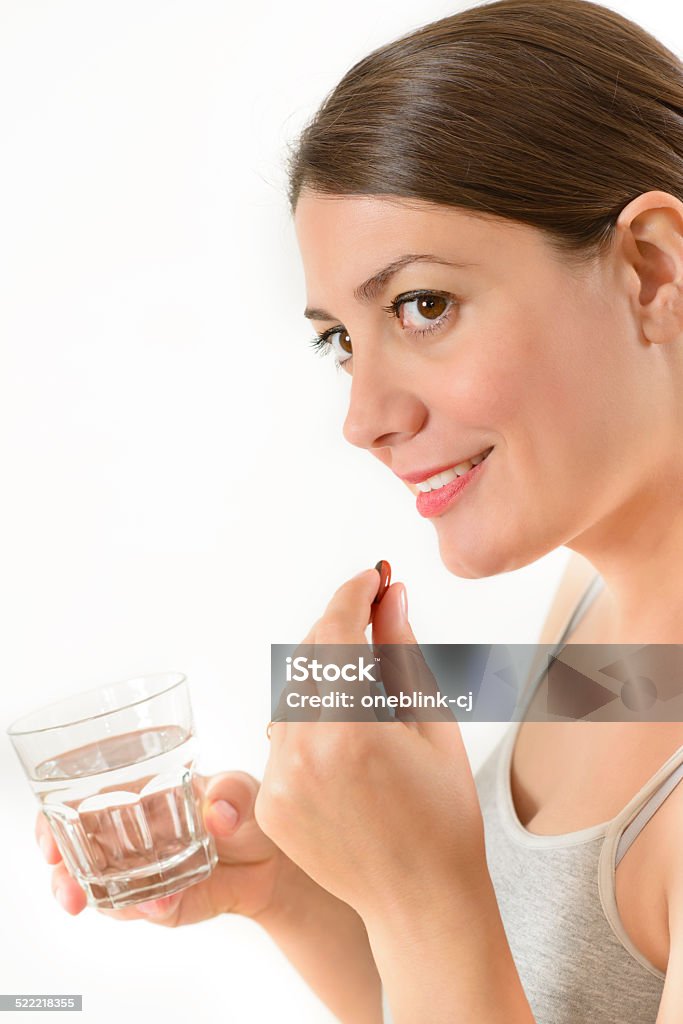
point(557, 899)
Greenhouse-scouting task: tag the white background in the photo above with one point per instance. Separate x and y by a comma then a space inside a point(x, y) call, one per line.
point(177, 494)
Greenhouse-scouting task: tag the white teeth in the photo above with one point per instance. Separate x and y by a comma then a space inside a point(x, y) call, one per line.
point(433, 483)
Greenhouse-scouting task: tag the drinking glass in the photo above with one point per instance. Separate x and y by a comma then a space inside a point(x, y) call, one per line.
point(113, 769)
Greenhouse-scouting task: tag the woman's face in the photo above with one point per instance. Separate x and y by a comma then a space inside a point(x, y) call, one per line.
point(543, 363)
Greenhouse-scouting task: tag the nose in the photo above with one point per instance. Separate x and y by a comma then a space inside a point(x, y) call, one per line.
point(382, 410)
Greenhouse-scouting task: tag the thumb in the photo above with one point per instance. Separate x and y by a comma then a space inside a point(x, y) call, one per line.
point(228, 811)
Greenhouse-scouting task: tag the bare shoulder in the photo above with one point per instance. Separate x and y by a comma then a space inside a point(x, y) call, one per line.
point(575, 579)
point(667, 838)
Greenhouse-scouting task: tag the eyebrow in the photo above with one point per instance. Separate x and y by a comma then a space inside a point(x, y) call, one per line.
point(370, 289)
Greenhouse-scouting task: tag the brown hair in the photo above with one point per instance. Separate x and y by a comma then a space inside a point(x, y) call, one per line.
point(554, 113)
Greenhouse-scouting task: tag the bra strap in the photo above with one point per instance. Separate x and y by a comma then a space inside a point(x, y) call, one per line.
point(591, 591)
point(528, 693)
point(647, 810)
point(621, 832)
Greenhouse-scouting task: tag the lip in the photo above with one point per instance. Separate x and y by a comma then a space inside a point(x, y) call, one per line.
point(424, 474)
point(434, 503)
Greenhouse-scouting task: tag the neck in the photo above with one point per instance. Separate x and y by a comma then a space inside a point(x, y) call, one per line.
point(638, 551)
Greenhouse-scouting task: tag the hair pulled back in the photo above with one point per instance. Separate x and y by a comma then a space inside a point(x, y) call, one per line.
point(553, 113)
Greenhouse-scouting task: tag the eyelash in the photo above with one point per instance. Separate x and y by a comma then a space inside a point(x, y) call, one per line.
point(321, 342)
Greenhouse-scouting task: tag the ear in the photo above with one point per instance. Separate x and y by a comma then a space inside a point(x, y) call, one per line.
point(650, 229)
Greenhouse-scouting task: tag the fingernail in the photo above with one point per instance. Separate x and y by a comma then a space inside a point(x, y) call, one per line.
point(404, 603)
point(45, 847)
point(159, 908)
point(62, 898)
point(225, 816)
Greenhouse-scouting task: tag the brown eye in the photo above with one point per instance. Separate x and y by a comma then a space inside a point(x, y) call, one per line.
point(422, 313)
point(341, 345)
point(432, 306)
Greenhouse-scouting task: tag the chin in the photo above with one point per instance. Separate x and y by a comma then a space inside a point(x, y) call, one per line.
point(468, 565)
point(480, 560)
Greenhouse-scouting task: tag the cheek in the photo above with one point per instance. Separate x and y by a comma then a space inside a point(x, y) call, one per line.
point(490, 384)
point(527, 382)
point(526, 390)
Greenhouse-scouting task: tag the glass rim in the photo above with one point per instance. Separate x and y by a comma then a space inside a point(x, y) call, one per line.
point(178, 677)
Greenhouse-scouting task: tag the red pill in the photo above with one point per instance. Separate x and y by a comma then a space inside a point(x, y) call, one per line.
point(384, 570)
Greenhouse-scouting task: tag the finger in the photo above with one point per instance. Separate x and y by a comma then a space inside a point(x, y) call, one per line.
point(403, 667)
point(341, 634)
point(348, 613)
point(46, 840)
point(390, 625)
point(348, 680)
point(228, 812)
point(159, 910)
point(67, 891)
point(73, 900)
point(344, 621)
point(393, 641)
point(406, 671)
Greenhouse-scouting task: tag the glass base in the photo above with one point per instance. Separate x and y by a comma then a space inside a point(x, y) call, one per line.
point(153, 881)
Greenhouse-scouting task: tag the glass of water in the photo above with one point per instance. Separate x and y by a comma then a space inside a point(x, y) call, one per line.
point(113, 769)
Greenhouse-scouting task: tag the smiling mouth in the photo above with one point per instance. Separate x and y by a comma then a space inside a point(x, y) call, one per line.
point(437, 501)
point(447, 476)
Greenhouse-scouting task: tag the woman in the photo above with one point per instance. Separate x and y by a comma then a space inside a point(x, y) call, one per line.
point(490, 219)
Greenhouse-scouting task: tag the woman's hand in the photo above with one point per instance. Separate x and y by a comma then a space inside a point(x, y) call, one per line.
point(383, 814)
point(250, 878)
